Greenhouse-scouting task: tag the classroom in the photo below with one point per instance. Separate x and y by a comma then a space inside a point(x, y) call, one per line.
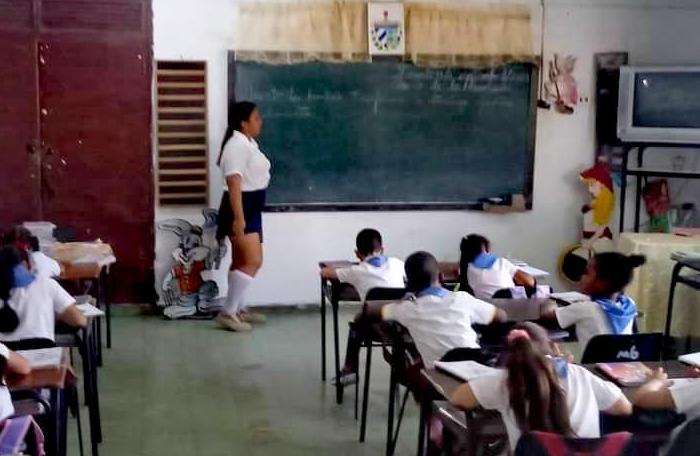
point(315, 227)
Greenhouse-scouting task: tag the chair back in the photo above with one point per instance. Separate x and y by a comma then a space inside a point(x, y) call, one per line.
point(687, 441)
point(383, 294)
point(539, 443)
point(610, 348)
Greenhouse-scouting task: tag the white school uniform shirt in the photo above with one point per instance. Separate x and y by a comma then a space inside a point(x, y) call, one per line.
point(686, 397)
point(486, 282)
point(242, 156)
point(45, 265)
point(590, 320)
point(364, 276)
point(6, 407)
point(439, 324)
point(37, 305)
point(586, 395)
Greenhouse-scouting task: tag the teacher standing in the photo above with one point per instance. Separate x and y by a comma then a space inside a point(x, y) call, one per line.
point(246, 173)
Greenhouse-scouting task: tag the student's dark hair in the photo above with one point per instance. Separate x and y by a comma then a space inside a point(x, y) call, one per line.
point(422, 271)
point(238, 112)
point(34, 243)
point(368, 241)
point(536, 396)
point(616, 269)
point(17, 235)
point(469, 248)
point(10, 256)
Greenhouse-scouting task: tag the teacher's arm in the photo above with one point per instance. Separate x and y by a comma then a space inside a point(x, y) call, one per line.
point(235, 194)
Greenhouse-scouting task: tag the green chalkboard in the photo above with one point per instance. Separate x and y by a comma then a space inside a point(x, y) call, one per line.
point(391, 135)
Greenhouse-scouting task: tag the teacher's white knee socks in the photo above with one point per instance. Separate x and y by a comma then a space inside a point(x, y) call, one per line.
point(238, 283)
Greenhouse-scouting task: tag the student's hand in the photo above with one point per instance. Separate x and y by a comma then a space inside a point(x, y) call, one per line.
point(660, 376)
point(238, 228)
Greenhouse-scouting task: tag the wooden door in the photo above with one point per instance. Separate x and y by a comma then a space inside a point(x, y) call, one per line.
point(19, 136)
point(95, 88)
point(97, 128)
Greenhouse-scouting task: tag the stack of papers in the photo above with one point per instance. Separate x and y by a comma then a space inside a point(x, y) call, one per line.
point(43, 357)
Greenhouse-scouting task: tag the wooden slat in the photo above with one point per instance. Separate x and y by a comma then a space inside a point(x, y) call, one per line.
point(181, 172)
point(182, 122)
point(182, 195)
point(166, 147)
point(181, 159)
point(180, 72)
point(187, 183)
point(198, 85)
point(198, 97)
point(182, 110)
point(184, 134)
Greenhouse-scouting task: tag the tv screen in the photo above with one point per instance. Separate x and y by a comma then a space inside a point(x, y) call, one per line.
point(666, 100)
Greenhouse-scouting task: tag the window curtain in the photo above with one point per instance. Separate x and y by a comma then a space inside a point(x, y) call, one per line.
point(435, 34)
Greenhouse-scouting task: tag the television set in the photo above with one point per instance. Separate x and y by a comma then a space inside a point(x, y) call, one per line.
point(659, 105)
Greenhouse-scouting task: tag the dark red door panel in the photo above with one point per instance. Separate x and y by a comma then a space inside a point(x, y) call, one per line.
point(95, 96)
point(19, 147)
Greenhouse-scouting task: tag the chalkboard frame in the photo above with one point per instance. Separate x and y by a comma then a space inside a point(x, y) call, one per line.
point(529, 170)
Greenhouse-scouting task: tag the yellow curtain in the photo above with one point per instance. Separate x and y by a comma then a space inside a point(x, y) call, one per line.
point(492, 34)
point(303, 31)
point(337, 31)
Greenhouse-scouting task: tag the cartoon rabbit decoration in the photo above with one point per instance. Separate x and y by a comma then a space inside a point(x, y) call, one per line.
point(186, 290)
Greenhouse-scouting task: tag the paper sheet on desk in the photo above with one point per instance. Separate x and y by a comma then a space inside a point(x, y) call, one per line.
point(570, 296)
point(466, 370)
point(89, 310)
point(43, 357)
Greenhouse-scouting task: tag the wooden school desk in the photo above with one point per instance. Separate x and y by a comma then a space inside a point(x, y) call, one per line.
point(89, 262)
point(87, 342)
point(333, 292)
point(56, 379)
point(444, 386)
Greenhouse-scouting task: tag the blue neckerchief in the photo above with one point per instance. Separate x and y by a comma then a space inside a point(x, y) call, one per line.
point(620, 312)
point(377, 261)
point(484, 260)
point(22, 276)
point(560, 365)
point(434, 291)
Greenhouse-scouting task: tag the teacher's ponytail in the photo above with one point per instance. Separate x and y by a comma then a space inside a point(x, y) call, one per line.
point(238, 112)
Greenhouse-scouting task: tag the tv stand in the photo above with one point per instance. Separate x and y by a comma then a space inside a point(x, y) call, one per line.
point(640, 173)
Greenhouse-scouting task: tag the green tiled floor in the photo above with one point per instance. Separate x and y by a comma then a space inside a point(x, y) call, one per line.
point(186, 388)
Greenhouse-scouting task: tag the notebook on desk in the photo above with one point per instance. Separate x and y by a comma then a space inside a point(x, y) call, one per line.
point(465, 370)
point(43, 357)
point(625, 374)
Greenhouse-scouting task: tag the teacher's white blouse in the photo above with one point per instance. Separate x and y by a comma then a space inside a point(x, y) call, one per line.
point(243, 157)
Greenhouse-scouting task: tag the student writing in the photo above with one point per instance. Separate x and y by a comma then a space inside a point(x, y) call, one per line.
point(540, 391)
point(37, 300)
point(374, 271)
point(486, 273)
point(609, 311)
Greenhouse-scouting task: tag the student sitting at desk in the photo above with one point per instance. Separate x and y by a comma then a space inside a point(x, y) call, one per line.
point(23, 239)
point(10, 363)
point(609, 311)
point(540, 391)
point(37, 300)
point(437, 319)
point(374, 271)
point(485, 273)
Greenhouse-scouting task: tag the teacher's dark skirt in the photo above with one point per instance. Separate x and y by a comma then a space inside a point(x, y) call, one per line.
point(253, 204)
